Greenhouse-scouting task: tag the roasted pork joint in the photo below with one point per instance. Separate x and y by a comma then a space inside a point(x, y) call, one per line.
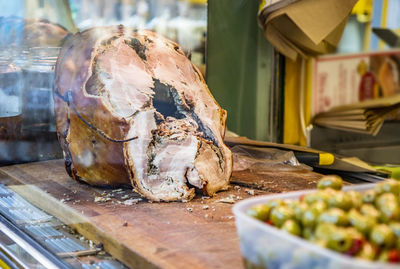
point(131, 107)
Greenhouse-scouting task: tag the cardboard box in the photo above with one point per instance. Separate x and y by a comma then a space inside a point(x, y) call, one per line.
point(339, 80)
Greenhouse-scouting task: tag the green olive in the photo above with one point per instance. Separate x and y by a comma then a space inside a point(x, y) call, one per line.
point(299, 210)
point(308, 233)
point(333, 215)
point(368, 251)
point(356, 199)
point(260, 212)
point(389, 208)
point(370, 211)
point(388, 186)
point(383, 256)
point(336, 238)
point(324, 230)
point(363, 224)
point(319, 207)
point(339, 240)
point(369, 196)
point(292, 227)
point(354, 233)
point(340, 200)
point(395, 226)
point(320, 243)
point(309, 218)
point(390, 212)
point(274, 203)
point(319, 196)
point(280, 214)
point(330, 181)
point(382, 200)
point(292, 203)
point(382, 235)
point(310, 215)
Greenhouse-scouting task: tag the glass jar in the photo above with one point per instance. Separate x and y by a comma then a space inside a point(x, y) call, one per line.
point(10, 98)
point(31, 33)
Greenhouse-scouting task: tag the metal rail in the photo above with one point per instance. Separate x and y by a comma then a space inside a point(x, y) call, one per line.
point(36, 250)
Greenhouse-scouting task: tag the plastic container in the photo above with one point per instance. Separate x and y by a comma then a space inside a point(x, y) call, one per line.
point(264, 246)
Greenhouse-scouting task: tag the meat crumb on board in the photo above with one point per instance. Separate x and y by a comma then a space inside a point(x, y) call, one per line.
point(132, 201)
point(251, 192)
point(99, 199)
point(231, 199)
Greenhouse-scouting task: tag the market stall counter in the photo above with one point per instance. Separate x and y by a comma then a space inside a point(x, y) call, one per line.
point(142, 234)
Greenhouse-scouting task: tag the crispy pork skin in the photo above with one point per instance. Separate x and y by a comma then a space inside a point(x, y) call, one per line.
point(131, 108)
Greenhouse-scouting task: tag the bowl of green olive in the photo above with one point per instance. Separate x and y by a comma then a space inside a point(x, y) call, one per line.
point(330, 227)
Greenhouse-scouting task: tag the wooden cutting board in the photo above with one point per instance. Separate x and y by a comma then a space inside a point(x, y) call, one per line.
point(197, 234)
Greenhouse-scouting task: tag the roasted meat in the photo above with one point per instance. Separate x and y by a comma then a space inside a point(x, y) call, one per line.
point(131, 108)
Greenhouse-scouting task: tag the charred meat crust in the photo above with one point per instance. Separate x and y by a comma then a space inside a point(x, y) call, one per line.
point(140, 49)
point(168, 102)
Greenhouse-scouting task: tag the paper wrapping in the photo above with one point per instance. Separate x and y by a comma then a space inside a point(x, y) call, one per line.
point(304, 27)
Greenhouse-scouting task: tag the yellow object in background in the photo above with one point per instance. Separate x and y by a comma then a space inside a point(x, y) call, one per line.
point(395, 170)
point(326, 159)
point(291, 119)
point(363, 10)
point(199, 2)
point(262, 4)
point(3, 265)
point(297, 103)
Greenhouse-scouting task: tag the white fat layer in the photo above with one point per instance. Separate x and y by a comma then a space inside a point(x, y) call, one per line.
point(128, 99)
point(174, 158)
point(129, 84)
point(194, 178)
point(142, 126)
